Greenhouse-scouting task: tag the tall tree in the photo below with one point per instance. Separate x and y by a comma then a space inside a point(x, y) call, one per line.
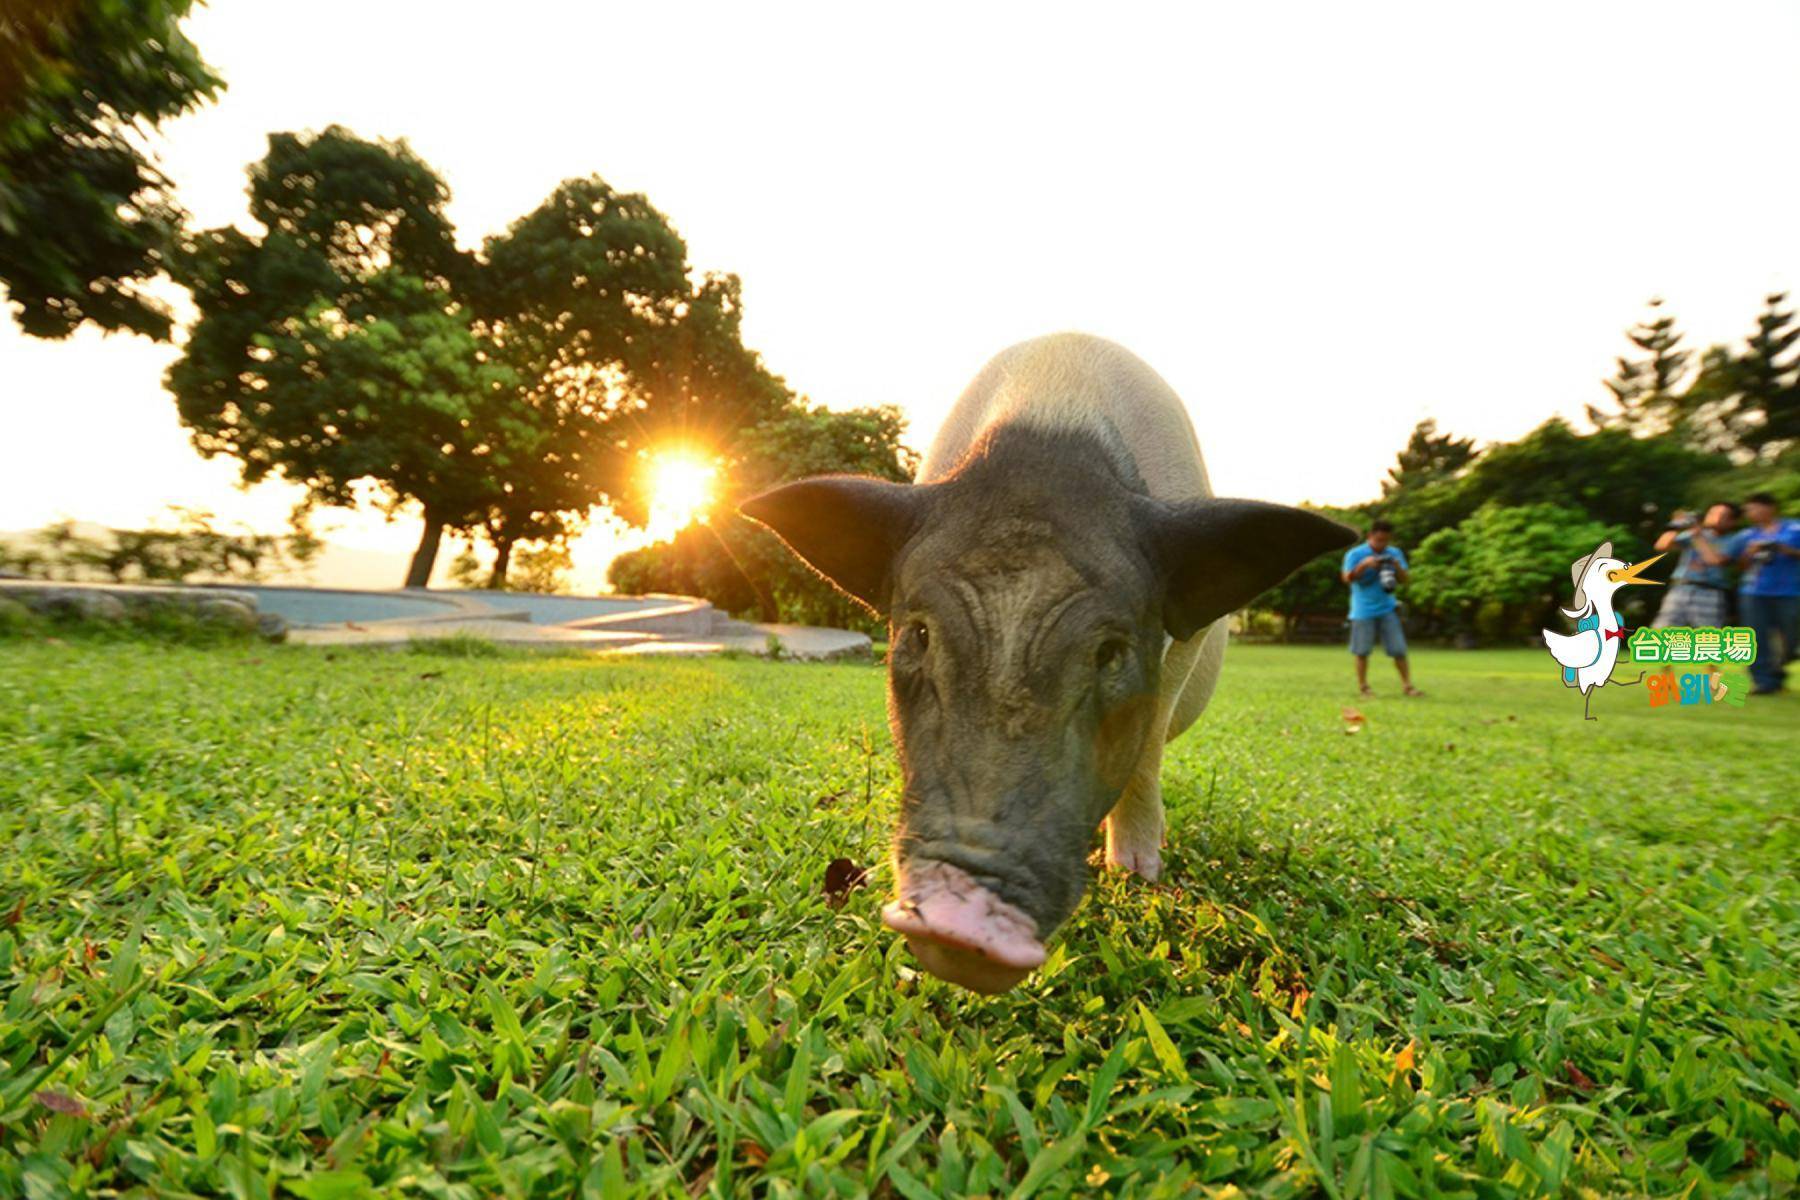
point(87, 220)
point(1746, 402)
point(1628, 483)
point(333, 351)
point(1644, 389)
point(593, 296)
point(506, 392)
point(1428, 456)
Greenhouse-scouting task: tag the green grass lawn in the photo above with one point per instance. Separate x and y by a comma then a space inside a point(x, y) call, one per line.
point(274, 921)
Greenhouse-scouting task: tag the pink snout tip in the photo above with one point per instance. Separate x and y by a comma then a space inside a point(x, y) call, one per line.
point(961, 932)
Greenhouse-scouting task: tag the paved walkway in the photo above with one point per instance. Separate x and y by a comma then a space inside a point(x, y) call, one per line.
point(620, 624)
point(339, 617)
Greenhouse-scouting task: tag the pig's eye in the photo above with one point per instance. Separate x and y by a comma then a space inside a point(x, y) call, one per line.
point(1110, 654)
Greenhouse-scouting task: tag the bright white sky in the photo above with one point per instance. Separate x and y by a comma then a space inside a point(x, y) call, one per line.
point(1320, 222)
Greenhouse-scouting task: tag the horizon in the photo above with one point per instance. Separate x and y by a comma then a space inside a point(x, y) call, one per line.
point(1347, 224)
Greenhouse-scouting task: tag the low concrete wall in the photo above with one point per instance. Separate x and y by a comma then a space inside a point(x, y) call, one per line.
point(122, 603)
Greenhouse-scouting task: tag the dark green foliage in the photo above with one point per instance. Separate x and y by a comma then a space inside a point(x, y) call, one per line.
point(1627, 483)
point(1503, 571)
point(1552, 488)
point(556, 926)
point(507, 393)
point(332, 351)
point(86, 218)
point(743, 568)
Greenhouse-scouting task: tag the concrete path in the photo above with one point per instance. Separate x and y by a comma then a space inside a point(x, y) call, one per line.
point(621, 624)
point(340, 617)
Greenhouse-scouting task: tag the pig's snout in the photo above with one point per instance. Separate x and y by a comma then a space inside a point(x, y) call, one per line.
point(960, 931)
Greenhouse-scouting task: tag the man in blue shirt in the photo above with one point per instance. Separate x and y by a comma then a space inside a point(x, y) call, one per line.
point(1373, 570)
point(1768, 552)
point(1700, 588)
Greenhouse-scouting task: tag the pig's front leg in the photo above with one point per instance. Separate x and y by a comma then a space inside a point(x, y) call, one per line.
point(1134, 828)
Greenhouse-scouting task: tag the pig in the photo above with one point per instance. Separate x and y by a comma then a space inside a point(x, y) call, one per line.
point(1055, 584)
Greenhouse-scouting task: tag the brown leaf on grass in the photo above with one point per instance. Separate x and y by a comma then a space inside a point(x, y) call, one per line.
point(1577, 1077)
point(57, 1102)
point(831, 798)
point(1404, 1060)
point(1353, 716)
point(841, 878)
point(1601, 956)
point(431, 675)
point(753, 1152)
point(16, 915)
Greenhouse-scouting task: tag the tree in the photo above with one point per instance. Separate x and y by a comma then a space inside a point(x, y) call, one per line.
point(87, 220)
point(1643, 389)
point(1629, 484)
point(333, 351)
point(506, 392)
point(592, 296)
point(741, 567)
point(1747, 402)
point(1503, 570)
point(1427, 457)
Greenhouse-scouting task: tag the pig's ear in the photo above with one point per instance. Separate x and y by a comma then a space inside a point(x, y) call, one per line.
point(1215, 556)
point(848, 528)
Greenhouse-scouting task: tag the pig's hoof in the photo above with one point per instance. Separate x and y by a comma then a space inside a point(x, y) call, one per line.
point(1143, 861)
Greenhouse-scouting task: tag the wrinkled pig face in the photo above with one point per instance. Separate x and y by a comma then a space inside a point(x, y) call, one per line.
point(1022, 683)
point(1030, 598)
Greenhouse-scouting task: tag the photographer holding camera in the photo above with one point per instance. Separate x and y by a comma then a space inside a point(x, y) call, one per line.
point(1374, 571)
point(1700, 588)
point(1768, 551)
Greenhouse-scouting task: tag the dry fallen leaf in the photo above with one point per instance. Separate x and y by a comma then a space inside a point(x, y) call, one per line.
point(1602, 956)
point(841, 878)
point(1353, 715)
point(1403, 1061)
point(1577, 1076)
point(57, 1102)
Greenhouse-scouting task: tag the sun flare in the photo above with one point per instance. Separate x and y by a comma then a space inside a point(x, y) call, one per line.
point(680, 492)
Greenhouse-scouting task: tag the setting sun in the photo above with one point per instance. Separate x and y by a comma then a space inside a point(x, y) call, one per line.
point(680, 491)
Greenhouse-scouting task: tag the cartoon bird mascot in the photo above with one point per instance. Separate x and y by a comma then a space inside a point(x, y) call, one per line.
point(1587, 656)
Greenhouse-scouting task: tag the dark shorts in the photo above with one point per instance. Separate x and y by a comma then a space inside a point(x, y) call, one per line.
point(1363, 631)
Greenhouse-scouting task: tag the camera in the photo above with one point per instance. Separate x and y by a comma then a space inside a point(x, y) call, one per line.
point(1388, 575)
point(1683, 520)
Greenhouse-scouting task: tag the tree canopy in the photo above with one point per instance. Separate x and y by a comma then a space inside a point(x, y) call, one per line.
point(507, 392)
point(87, 220)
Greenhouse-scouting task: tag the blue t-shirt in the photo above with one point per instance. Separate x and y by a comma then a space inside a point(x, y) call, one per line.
point(1779, 575)
point(1367, 597)
point(1692, 568)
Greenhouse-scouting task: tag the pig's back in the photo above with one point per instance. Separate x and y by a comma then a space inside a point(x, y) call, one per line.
point(1074, 381)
